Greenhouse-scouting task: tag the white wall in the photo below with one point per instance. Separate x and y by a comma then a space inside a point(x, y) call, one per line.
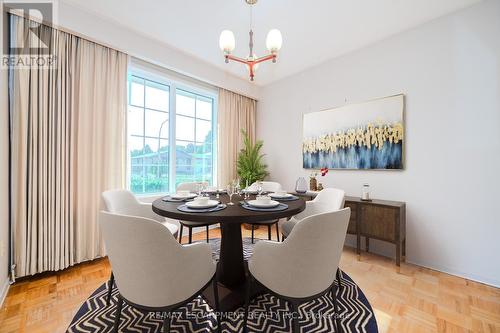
point(449, 70)
point(135, 44)
point(4, 173)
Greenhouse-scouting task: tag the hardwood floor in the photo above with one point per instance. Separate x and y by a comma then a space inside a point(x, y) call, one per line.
point(414, 300)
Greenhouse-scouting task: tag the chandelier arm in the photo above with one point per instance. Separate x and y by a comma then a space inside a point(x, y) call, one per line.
point(265, 58)
point(238, 59)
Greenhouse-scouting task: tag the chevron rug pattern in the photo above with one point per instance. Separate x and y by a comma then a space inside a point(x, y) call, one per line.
point(268, 313)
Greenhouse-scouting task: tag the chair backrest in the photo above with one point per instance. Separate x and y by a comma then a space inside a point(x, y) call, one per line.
point(120, 202)
point(316, 246)
point(146, 260)
point(333, 197)
point(190, 186)
point(268, 186)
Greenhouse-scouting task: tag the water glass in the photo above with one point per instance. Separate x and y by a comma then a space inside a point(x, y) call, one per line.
point(230, 192)
point(259, 188)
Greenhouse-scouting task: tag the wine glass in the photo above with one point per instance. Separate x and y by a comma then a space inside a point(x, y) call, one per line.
point(230, 191)
point(237, 187)
point(259, 188)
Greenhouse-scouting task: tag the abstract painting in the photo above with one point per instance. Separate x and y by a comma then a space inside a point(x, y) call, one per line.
point(367, 135)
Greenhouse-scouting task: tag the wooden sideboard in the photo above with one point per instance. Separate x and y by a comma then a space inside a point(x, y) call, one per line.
point(378, 219)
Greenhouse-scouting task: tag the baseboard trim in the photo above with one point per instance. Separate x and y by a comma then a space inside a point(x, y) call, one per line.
point(4, 291)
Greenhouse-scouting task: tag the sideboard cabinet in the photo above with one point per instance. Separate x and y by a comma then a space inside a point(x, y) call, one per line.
point(376, 219)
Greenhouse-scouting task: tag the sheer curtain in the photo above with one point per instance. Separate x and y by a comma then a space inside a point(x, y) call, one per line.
point(68, 134)
point(235, 113)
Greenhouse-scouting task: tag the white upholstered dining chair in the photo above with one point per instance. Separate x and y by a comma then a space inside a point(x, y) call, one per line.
point(305, 265)
point(267, 186)
point(153, 271)
point(327, 200)
point(193, 188)
point(124, 202)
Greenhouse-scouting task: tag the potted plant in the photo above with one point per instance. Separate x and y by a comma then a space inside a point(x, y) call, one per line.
point(250, 166)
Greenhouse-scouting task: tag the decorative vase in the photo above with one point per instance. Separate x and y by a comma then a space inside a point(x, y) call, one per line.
point(301, 185)
point(313, 184)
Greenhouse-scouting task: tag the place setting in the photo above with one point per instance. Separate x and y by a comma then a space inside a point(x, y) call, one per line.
point(282, 195)
point(263, 203)
point(180, 196)
point(202, 204)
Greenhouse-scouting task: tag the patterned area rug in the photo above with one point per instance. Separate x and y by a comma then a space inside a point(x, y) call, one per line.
point(269, 314)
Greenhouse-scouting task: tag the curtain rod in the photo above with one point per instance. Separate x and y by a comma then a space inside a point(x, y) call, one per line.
point(13, 11)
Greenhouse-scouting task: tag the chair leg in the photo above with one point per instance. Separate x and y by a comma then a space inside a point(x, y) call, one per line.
point(110, 288)
point(295, 317)
point(339, 278)
point(190, 235)
point(217, 305)
point(207, 235)
point(247, 303)
point(252, 232)
point(277, 232)
point(166, 323)
point(180, 233)
point(269, 232)
point(118, 314)
point(336, 310)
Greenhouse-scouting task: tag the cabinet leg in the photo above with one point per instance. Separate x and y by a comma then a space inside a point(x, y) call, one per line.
point(398, 254)
point(358, 244)
point(404, 250)
point(367, 244)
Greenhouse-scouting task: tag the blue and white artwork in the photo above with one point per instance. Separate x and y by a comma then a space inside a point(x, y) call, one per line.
point(368, 135)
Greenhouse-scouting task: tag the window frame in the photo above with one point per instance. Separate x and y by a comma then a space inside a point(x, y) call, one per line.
point(174, 84)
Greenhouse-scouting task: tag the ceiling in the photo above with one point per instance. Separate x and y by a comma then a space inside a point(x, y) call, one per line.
point(313, 31)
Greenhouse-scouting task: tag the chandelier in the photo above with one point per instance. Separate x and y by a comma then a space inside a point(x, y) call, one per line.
point(227, 44)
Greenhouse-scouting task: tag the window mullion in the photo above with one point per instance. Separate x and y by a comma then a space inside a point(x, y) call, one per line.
point(172, 139)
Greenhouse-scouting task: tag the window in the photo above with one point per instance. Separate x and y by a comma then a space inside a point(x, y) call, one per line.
point(166, 124)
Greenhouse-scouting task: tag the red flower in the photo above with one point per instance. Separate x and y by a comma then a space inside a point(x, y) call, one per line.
point(323, 171)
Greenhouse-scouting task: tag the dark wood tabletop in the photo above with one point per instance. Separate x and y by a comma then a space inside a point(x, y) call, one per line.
point(230, 214)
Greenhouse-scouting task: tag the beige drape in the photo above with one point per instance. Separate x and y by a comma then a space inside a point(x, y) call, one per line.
point(235, 113)
point(68, 132)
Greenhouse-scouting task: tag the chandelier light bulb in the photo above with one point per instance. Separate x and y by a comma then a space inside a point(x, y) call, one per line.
point(274, 40)
point(227, 41)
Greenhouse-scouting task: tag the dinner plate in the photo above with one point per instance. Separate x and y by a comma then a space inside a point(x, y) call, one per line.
point(276, 195)
point(256, 203)
point(194, 204)
point(183, 196)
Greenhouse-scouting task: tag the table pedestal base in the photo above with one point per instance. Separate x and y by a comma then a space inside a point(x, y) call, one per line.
point(230, 299)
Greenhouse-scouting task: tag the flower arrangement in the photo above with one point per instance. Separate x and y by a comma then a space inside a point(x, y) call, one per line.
point(313, 183)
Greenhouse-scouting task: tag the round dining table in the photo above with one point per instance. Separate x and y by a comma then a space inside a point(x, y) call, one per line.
point(231, 272)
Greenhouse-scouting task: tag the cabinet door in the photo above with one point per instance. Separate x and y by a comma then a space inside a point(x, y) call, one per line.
point(379, 222)
point(351, 229)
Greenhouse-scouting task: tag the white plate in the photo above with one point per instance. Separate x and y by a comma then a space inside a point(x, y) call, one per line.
point(276, 195)
point(256, 203)
point(199, 205)
point(183, 196)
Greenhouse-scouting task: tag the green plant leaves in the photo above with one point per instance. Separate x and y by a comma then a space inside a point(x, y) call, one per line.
point(250, 165)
